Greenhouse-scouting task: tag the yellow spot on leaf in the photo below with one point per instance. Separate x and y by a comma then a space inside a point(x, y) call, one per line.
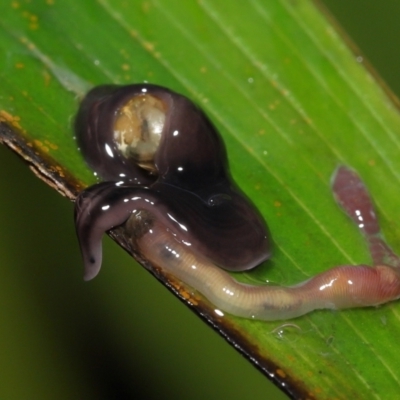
point(41, 146)
point(59, 171)
point(125, 67)
point(146, 6)
point(10, 119)
point(27, 43)
point(33, 20)
point(148, 46)
point(51, 145)
point(19, 65)
point(47, 77)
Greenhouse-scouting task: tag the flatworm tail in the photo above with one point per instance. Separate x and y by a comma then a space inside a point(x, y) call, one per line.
point(353, 197)
point(341, 287)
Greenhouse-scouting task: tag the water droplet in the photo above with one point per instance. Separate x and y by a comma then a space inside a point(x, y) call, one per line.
point(287, 332)
point(219, 313)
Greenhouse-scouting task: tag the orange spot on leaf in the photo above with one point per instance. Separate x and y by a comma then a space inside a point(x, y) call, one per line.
point(281, 373)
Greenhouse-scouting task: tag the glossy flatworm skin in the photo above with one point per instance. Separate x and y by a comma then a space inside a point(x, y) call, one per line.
point(166, 179)
point(159, 153)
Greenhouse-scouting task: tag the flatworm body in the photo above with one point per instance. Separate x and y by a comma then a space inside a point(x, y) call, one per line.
point(166, 179)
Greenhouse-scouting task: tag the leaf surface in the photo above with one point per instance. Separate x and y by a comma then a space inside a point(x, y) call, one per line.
point(291, 101)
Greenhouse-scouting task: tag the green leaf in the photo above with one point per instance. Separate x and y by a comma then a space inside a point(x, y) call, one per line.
point(291, 101)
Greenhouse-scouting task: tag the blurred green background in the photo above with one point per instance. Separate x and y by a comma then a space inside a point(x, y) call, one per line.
point(123, 336)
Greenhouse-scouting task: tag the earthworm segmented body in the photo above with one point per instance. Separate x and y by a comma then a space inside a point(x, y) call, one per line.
point(166, 178)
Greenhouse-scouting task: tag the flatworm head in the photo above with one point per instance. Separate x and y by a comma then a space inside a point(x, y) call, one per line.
point(147, 137)
point(141, 133)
